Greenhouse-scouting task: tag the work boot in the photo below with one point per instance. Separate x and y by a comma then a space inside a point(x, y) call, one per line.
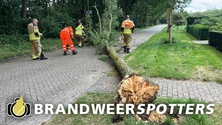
point(127, 50)
point(74, 53)
point(35, 58)
point(124, 49)
point(80, 44)
point(65, 53)
point(43, 58)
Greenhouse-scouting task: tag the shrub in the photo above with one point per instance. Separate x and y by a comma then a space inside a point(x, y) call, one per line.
point(215, 39)
point(199, 31)
point(13, 40)
point(51, 25)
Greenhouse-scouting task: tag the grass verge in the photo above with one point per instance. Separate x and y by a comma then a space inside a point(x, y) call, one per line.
point(23, 47)
point(104, 119)
point(182, 59)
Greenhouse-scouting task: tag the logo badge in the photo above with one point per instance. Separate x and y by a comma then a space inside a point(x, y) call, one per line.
point(19, 108)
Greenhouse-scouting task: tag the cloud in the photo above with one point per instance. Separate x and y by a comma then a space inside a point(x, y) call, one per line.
point(203, 5)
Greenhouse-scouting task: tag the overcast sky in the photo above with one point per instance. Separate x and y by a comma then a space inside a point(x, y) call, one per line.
point(203, 5)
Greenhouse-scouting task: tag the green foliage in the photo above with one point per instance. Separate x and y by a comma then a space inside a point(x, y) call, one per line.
point(179, 18)
point(211, 18)
point(215, 40)
point(190, 20)
point(103, 57)
point(216, 27)
point(201, 32)
point(88, 25)
point(51, 26)
point(19, 45)
point(10, 20)
point(142, 19)
point(13, 40)
point(105, 35)
point(150, 11)
point(54, 15)
point(197, 119)
point(180, 4)
point(51, 20)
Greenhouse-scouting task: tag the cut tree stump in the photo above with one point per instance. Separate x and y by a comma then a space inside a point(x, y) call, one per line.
point(133, 89)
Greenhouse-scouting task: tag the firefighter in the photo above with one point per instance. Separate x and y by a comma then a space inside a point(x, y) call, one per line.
point(65, 35)
point(127, 28)
point(34, 37)
point(79, 33)
point(78, 22)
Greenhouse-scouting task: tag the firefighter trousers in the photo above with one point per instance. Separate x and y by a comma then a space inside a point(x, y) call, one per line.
point(36, 48)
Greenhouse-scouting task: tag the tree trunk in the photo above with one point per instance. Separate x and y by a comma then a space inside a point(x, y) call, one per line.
point(170, 20)
point(24, 8)
point(122, 67)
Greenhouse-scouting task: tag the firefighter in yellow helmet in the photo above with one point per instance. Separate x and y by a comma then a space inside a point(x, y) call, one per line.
point(34, 37)
point(127, 28)
point(79, 34)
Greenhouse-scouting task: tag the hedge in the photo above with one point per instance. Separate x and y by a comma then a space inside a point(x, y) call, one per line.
point(199, 31)
point(215, 39)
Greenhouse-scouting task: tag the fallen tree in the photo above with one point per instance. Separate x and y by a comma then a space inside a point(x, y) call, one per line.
point(133, 89)
point(122, 67)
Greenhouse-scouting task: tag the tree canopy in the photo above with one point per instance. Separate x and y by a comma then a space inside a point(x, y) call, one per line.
point(53, 15)
point(211, 18)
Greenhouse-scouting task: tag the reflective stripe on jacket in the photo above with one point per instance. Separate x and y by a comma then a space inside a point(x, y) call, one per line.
point(128, 25)
point(127, 30)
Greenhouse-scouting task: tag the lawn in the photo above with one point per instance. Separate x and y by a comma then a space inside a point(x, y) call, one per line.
point(22, 47)
point(182, 59)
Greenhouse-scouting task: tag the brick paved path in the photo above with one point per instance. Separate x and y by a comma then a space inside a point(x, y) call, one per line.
point(62, 79)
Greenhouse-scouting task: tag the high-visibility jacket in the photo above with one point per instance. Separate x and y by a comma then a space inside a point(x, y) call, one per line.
point(79, 30)
point(65, 35)
point(70, 31)
point(34, 33)
point(127, 25)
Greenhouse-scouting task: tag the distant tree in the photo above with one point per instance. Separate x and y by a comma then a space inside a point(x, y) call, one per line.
point(179, 17)
point(211, 18)
point(104, 35)
point(24, 8)
point(173, 5)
